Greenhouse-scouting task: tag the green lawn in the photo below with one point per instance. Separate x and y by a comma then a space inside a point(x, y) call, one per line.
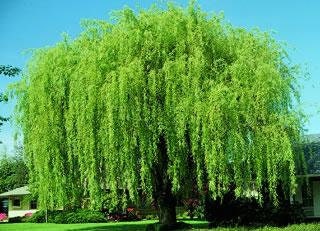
point(139, 226)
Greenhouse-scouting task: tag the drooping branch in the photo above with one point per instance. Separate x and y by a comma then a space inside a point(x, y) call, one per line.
point(125, 104)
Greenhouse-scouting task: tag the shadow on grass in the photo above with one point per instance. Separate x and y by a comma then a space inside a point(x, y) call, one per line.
point(200, 226)
point(117, 227)
point(130, 227)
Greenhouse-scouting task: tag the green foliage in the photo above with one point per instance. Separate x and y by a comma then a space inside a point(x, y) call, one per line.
point(13, 172)
point(39, 217)
point(84, 216)
point(10, 71)
point(245, 212)
point(151, 217)
point(15, 219)
point(93, 109)
point(68, 217)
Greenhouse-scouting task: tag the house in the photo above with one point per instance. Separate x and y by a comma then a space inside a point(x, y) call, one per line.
point(17, 202)
point(308, 190)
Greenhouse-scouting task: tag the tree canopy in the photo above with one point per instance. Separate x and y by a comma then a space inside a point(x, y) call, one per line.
point(10, 71)
point(158, 89)
point(13, 171)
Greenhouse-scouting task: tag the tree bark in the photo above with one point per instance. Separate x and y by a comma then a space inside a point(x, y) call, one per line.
point(167, 208)
point(162, 186)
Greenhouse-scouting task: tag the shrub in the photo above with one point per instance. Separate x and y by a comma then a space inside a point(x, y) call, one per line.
point(151, 217)
point(85, 216)
point(68, 217)
point(199, 212)
point(191, 205)
point(131, 214)
point(231, 211)
point(15, 219)
point(183, 215)
point(37, 217)
point(116, 216)
point(61, 218)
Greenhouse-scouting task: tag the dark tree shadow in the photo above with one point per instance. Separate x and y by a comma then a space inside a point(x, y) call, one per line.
point(129, 227)
point(200, 226)
point(118, 227)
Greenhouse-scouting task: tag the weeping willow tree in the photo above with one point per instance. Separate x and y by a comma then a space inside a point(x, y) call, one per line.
point(134, 105)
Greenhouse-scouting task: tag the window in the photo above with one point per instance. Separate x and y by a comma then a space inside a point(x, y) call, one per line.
point(33, 204)
point(16, 202)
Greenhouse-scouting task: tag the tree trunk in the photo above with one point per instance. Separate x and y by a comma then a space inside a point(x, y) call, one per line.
point(162, 186)
point(167, 208)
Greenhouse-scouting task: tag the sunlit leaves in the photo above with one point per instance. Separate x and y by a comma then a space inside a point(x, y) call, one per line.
point(93, 109)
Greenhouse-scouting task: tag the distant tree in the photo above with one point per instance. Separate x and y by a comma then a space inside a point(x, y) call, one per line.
point(10, 71)
point(138, 103)
point(13, 171)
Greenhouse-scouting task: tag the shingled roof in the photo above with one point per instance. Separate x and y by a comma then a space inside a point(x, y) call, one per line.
point(16, 192)
point(312, 138)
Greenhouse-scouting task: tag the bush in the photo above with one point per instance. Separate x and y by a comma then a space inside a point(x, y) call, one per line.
point(151, 217)
point(84, 216)
point(37, 217)
point(68, 217)
point(60, 218)
point(15, 219)
point(183, 215)
point(131, 214)
point(199, 212)
point(191, 205)
point(234, 212)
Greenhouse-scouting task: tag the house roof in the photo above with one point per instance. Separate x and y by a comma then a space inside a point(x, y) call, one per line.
point(312, 138)
point(15, 192)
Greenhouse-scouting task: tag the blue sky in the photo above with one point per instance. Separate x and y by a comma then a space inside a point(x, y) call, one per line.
point(29, 24)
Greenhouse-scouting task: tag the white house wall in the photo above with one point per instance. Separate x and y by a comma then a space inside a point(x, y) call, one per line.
point(20, 213)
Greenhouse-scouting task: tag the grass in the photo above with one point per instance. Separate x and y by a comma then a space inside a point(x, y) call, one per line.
point(139, 226)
